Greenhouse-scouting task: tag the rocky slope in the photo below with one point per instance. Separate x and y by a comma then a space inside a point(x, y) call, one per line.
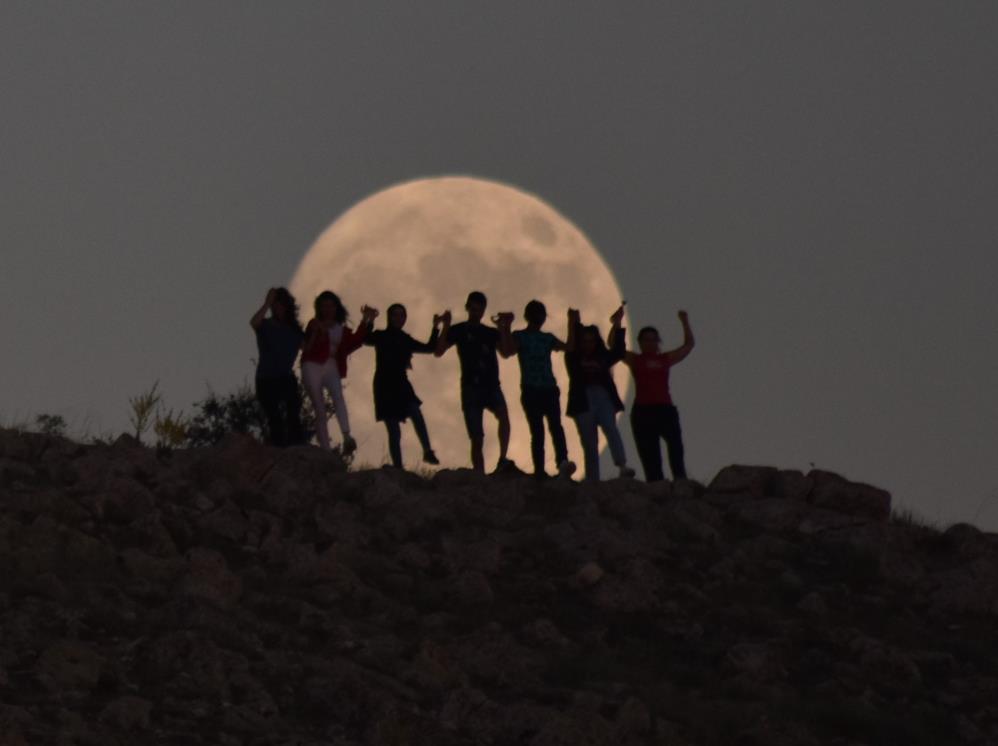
point(243, 595)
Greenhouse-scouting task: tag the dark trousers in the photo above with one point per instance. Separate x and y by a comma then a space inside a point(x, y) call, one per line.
point(280, 399)
point(541, 404)
point(394, 428)
point(652, 423)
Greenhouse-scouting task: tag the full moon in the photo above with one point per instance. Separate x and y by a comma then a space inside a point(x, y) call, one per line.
point(426, 244)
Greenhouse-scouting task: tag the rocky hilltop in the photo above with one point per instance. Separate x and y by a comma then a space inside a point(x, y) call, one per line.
point(245, 595)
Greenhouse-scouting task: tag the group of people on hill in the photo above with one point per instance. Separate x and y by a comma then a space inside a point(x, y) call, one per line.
point(325, 344)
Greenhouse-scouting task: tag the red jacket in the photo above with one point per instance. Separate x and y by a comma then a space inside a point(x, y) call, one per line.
point(318, 351)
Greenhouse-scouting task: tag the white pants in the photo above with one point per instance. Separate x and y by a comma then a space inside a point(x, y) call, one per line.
point(327, 375)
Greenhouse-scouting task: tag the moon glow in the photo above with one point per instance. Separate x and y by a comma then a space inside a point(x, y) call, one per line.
point(427, 244)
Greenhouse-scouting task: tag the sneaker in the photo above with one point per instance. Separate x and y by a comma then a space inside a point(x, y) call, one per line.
point(429, 457)
point(349, 445)
point(505, 464)
point(566, 468)
point(626, 472)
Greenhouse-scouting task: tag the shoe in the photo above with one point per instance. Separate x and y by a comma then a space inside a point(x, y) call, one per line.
point(429, 457)
point(626, 472)
point(505, 464)
point(349, 445)
point(566, 468)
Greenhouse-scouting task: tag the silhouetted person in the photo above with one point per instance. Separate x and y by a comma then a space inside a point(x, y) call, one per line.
point(279, 338)
point(654, 417)
point(395, 400)
point(539, 392)
point(328, 344)
point(593, 401)
point(480, 389)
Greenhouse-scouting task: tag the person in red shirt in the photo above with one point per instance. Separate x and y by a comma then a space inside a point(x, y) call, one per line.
point(654, 417)
point(328, 343)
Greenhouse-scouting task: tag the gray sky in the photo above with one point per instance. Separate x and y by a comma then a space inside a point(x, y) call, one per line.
point(815, 182)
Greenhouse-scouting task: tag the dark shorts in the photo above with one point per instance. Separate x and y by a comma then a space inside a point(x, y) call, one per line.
point(474, 402)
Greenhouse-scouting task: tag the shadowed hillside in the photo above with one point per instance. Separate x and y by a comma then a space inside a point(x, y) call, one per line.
point(244, 595)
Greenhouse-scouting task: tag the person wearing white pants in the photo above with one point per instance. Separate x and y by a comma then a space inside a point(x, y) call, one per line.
point(319, 376)
point(328, 344)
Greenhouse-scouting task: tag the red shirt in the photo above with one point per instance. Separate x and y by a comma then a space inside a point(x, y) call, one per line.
point(651, 378)
point(318, 352)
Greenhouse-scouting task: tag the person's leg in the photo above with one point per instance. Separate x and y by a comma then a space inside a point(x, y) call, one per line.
point(533, 409)
point(332, 381)
point(552, 413)
point(471, 406)
point(419, 425)
point(606, 418)
point(644, 426)
point(673, 435)
point(311, 374)
point(502, 414)
point(268, 394)
point(586, 425)
point(394, 429)
point(292, 414)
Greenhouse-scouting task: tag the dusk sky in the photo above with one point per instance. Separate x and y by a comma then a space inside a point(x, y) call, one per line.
point(816, 183)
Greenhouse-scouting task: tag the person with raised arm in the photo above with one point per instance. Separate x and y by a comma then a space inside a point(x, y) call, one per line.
point(654, 416)
point(539, 392)
point(328, 344)
point(480, 388)
point(395, 400)
point(279, 338)
point(593, 401)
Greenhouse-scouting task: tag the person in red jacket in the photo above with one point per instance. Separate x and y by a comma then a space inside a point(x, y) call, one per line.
point(328, 344)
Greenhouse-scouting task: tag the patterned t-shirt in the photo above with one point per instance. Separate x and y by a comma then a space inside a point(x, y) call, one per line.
point(535, 358)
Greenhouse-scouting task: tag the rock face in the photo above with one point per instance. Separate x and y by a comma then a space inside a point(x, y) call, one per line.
point(243, 595)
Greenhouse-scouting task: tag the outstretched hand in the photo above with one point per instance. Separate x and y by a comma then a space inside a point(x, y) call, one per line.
point(271, 297)
point(368, 313)
point(684, 317)
point(617, 316)
point(503, 318)
point(574, 316)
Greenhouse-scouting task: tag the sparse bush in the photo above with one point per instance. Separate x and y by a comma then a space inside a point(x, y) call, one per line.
point(144, 408)
point(170, 428)
point(51, 424)
point(216, 416)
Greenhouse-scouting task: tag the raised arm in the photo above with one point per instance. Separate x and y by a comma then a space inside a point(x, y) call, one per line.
point(261, 314)
point(429, 346)
point(617, 339)
point(574, 322)
point(680, 353)
point(507, 342)
point(442, 341)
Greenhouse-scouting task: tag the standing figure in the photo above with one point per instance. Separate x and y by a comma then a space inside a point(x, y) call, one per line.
point(593, 401)
point(654, 417)
point(395, 400)
point(539, 392)
point(279, 338)
point(328, 344)
point(480, 389)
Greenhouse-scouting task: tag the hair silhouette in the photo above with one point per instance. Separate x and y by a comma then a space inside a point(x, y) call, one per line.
point(341, 311)
point(647, 330)
point(476, 296)
point(286, 299)
point(535, 312)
